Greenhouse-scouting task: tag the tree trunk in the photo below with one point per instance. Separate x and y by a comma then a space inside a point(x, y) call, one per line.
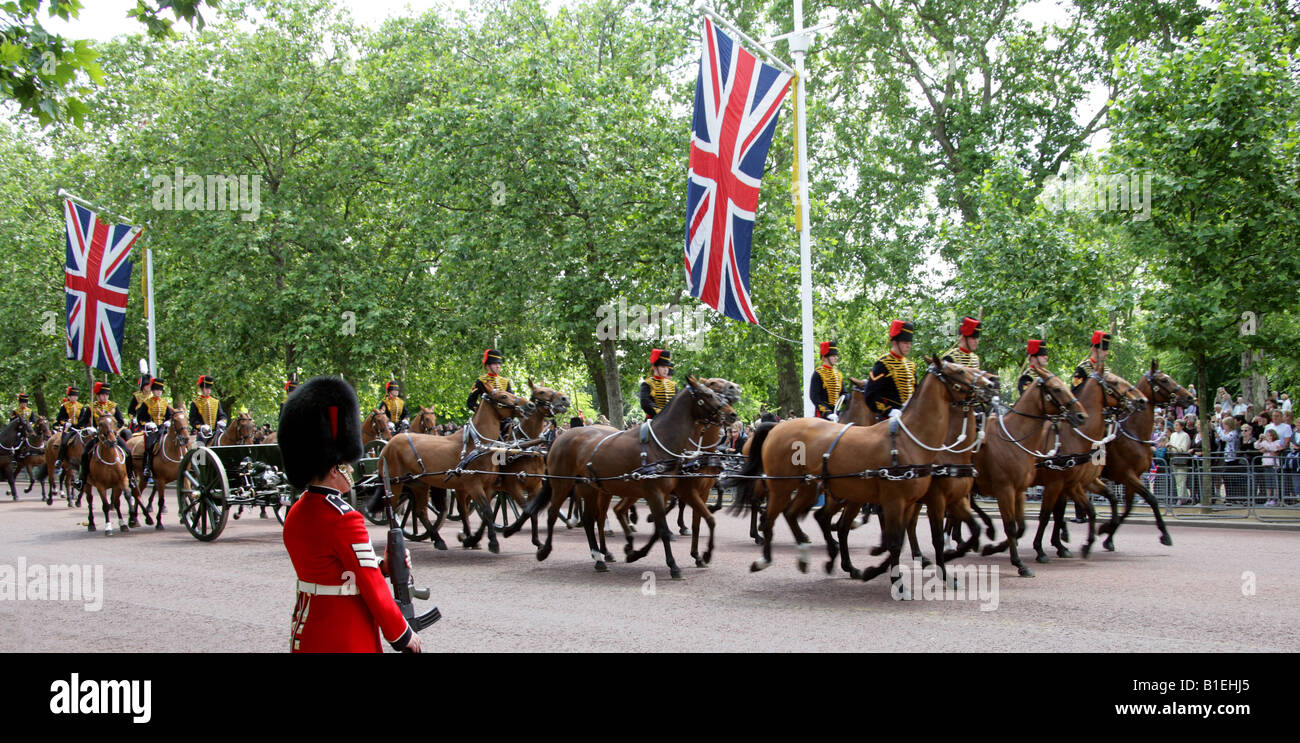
point(613, 383)
point(789, 395)
point(38, 395)
point(595, 372)
point(1254, 386)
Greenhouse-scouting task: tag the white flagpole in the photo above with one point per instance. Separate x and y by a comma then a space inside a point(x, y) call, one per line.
point(799, 48)
point(148, 270)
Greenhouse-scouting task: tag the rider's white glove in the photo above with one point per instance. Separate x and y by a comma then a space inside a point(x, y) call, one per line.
point(832, 417)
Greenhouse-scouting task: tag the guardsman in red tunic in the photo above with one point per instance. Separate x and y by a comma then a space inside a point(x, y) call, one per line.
point(827, 382)
point(344, 603)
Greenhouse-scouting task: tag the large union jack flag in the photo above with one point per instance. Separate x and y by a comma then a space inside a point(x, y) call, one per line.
point(737, 102)
point(96, 280)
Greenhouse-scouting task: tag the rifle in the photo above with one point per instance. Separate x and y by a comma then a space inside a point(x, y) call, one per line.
point(400, 576)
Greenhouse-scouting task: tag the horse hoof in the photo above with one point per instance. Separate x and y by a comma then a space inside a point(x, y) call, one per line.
point(133, 523)
point(685, 532)
point(1109, 544)
point(675, 573)
point(877, 550)
point(855, 574)
point(708, 557)
point(1063, 552)
point(1025, 572)
point(1166, 540)
point(235, 515)
point(1043, 559)
point(158, 526)
point(758, 565)
point(699, 563)
point(543, 553)
point(148, 520)
point(602, 567)
point(494, 548)
point(758, 541)
point(609, 557)
point(830, 567)
point(803, 566)
point(90, 527)
point(925, 562)
point(1085, 550)
point(262, 515)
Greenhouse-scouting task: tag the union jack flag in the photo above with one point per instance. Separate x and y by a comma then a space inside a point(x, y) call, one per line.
point(96, 280)
point(737, 102)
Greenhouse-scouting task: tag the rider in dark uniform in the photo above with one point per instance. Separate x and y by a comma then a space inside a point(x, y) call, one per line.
point(658, 388)
point(205, 410)
point(827, 382)
point(90, 415)
point(1036, 352)
point(394, 406)
point(69, 414)
point(964, 352)
point(893, 378)
point(155, 410)
point(289, 387)
point(23, 410)
point(490, 379)
point(1096, 357)
point(137, 399)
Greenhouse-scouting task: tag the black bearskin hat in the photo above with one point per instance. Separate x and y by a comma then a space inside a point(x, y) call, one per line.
point(320, 428)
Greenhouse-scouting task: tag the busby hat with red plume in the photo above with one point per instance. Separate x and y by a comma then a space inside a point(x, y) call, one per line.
point(970, 327)
point(828, 348)
point(320, 428)
point(660, 356)
point(205, 380)
point(492, 356)
point(1101, 339)
point(901, 331)
point(1036, 347)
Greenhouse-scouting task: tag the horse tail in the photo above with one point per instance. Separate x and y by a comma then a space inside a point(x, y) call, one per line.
point(745, 497)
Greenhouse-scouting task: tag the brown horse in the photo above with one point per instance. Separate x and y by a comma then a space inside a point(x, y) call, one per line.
point(521, 474)
point(597, 463)
point(1017, 439)
point(948, 495)
point(32, 454)
point(887, 463)
point(1128, 456)
point(168, 453)
point(241, 430)
point(13, 443)
point(1077, 464)
point(693, 491)
point(424, 421)
point(60, 471)
point(107, 474)
point(407, 458)
point(376, 427)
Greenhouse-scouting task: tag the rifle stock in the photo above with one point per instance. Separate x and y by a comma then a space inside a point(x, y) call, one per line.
point(400, 576)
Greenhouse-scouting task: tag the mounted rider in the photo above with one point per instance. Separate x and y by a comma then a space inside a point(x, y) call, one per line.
point(1036, 358)
point(205, 410)
point(290, 385)
point(893, 377)
point(827, 382)
point(69, 415)
point(137, 399)
point(964, 352)
point(490, 379)
point(89, 418)
point(157, 411)
point(394, 406)
point(23, 411)
point(658, 388)
point(1096, 357)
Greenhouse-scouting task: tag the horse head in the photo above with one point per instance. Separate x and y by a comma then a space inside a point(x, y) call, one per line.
point(244, 428)
point(1127, 397)
point(377, 425)
point(507, 404)
point(550, 402)
point(425, 421)
point(1054, 391)
point(730, 392)
point(965, 385)
point(106, 429)
point(710, 406)
point(180, 429)
point(1165, 385)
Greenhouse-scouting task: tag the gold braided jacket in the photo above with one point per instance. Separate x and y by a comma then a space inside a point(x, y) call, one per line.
point(661, 391)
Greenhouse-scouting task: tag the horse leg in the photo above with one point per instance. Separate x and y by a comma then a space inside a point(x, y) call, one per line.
point(1059, 527)
point(90, 508)
point(892, 526)
point(656, 503)
point(936, 515)
point(913, 516)
point(559, 494)
point(681, 517)
point(851, 510)
point(603, 500)
point(775, 501)
point(823, 518)
point(804, 499)
point(1045, 509)
point(589, 525)
point(1092, 524)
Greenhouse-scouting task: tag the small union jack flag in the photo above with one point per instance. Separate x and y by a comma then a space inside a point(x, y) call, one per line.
point(737, 102)
point(96, 280)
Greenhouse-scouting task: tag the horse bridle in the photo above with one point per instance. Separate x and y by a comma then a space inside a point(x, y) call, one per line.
point(716, 416)
point(968, 398)
point(1123, 405)
point(548, 406)
point(1045, 395)
point(21, 432)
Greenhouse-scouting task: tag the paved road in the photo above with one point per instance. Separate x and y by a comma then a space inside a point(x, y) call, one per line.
point(164, 591)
